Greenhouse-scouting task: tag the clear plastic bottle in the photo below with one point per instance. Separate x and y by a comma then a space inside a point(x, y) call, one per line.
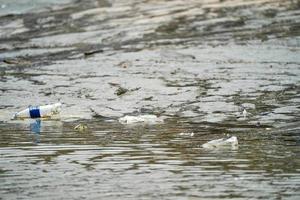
point(39, 111)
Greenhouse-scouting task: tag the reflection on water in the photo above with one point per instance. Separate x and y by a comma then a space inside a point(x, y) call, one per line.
point(35, 127)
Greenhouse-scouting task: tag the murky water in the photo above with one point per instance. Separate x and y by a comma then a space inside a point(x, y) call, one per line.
point(196, 64)
point(147, 162)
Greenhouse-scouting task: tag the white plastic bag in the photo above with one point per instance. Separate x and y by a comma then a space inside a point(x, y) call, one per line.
point(148, 119)
point(231, 142)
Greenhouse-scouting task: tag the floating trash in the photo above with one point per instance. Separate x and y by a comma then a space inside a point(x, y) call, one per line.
point(81, 128)
point(187, 134)
point(221, 143)
point(39, 111)
point(149, 119)
point(245, 113)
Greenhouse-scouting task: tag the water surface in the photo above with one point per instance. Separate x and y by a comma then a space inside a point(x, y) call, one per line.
point(196, 64)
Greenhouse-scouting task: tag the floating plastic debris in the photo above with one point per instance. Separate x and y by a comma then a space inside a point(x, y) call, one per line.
point(245, 113)
point(221, 143)
point(187, 134)
point(149, 119)
point(39, 111)
point(81, 128)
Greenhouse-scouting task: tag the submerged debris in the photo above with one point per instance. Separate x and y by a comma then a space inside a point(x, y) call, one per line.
point(148, 119)
point(148, 98)
point(114, 84)
point(89, 53)
point(15, 61)
point(231, 142)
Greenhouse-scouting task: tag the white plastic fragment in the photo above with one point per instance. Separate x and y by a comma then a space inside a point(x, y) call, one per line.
point(221, 143)
point(39, 111)
point(148, 119)
point(245, 113)
point(187, 134)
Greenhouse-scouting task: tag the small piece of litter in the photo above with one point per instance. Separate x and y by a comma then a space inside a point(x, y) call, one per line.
point(81, 128)
point(149, 119)
point(187, 134)
point(221, 143)
point(245, 113)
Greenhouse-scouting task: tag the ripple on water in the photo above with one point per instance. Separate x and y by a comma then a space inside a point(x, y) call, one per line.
point(152, 163)
point(196, 64)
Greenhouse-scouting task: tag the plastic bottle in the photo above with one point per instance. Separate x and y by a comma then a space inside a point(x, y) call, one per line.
point(39, 111)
